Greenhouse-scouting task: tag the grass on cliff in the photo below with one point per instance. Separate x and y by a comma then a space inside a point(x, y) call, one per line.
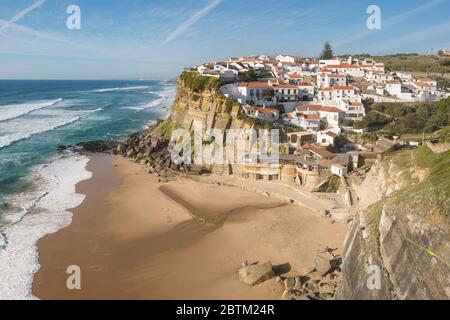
point(198, 83)
point(165, 128)
point(429, 198)
point(331, 185)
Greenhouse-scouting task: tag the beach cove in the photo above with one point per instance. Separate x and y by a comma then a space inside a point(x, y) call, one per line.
point(135, 237)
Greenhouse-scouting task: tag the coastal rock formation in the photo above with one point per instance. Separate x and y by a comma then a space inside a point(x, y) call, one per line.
point(323, 266)
point(399, 246)
point(97, 146)
point(253, 275)
point(316, 285)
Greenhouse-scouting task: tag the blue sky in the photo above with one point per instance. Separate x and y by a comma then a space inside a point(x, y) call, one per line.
point(155, 39)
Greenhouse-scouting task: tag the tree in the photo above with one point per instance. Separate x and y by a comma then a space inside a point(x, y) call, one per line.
point(268, 94)
point(327, 52)
point(250, 75)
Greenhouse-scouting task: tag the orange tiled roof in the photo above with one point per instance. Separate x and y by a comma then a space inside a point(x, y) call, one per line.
point(331, 134)
point(310, 107)
point(254, 84)
point(331, 109)
point(267, 110)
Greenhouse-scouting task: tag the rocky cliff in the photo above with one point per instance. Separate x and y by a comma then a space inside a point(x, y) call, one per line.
point(199, 101)
point(403, 230)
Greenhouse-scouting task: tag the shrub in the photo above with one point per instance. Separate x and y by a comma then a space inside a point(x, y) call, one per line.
point(198, 83)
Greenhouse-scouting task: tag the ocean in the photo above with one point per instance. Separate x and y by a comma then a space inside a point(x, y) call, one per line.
point(37, 184)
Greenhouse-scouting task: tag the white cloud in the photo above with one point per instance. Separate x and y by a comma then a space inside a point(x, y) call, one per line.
point(21, 14)
point(191, 21)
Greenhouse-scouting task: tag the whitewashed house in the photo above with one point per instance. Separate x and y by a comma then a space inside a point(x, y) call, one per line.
point(337, 92)
point(325, 80)
point(326, 138)
point(339, 170)
point(396, 89)
point(353, 109)
point(267, 114)
point(330, 62)
point(253, 92)
point(331, 116)
point(286, 58)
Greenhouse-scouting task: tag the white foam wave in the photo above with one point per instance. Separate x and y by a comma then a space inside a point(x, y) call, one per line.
point(153, 104)
point(9, 139)
point(121, 89)
point(44, 211)
point(96, 110)
point(15, 111)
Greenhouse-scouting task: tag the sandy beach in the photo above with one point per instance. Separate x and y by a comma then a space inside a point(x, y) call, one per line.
point(136, 238)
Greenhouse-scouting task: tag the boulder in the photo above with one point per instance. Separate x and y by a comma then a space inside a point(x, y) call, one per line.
point(253, 275)
point(323, 266)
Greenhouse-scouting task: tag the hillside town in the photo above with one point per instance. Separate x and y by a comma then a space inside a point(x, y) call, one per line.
point(315, 102)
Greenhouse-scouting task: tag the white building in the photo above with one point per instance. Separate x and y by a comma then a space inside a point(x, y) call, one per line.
point(267, 114)
point(285, 92)
point(396, 89)
point(325, 80)
point(353, 109)
point(339, 170)
point(326, 138)
point(253, 92)
point(331, 116)
point(286, 58)
point(337, 92)
point(324, 63)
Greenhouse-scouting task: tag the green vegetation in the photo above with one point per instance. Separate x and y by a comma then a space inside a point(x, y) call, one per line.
point(443, 136)
point(373, 214)
point(331, 185)
point(400, 119)
point(413, 63)
point(372, 119)
point(198, 83)
point(327, 52)
point(165, 128)
point(253, 75)
point(429, 198)
point(231, 103)
point(424, 117)
point(442, 83)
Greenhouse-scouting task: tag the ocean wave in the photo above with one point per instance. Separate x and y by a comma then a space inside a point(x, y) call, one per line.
point(44, 211)
point(9, 139)
point(15, 111)
point(153, 104)
point(121, 89)
point(96, 110)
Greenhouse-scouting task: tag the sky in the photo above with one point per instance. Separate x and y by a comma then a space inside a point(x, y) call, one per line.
point(149, 39)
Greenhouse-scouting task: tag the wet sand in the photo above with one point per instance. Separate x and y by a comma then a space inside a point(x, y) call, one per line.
point(135, 238)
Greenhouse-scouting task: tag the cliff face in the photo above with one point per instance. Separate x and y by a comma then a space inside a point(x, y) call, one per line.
point(204, 105)
point(404, 230)
point(197, 101)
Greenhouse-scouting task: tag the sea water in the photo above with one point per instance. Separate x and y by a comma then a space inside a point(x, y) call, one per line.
point(37, 184)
